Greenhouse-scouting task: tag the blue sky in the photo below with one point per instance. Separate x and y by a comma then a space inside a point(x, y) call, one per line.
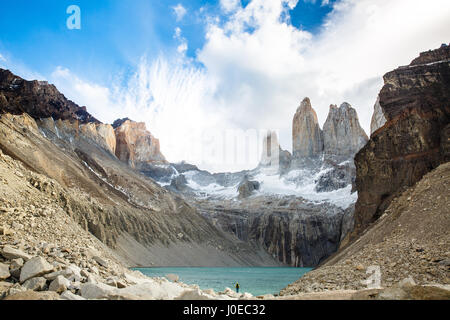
point(114, 34)
point(194, 70)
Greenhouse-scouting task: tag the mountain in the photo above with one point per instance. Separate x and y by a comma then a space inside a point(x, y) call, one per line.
point(141, 222)
point(342, 133)
point(402, 177)
point(413, 138)
point(298, 208)
point(307, 139)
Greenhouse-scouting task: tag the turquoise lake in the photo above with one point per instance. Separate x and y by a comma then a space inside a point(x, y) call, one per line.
point(257, 281)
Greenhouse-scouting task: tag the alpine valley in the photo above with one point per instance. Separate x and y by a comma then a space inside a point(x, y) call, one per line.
point(82, 201)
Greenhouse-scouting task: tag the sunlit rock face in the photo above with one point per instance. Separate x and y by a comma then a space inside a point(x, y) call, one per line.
point(306, 133)
point(342, 133)
point(135, 145)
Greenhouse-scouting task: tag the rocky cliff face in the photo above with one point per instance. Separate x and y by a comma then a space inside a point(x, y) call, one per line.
point(294, 231)
point(342, 134)
point(306, 133)
point(38, 99)
point(135, 145)
point(414, 140)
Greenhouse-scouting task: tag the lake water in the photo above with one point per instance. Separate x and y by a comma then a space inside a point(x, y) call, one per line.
point(257, 281)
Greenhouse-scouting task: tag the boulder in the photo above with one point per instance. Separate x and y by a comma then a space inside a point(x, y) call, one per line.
point(96, 291)
point(246, 187)
point(35, 267)
point(33, 295)
point(195, 294)
point(101, 261)
point(68, 295)
point(35, 284)
point(4, 271)
point(17, 263)
point(11, 253)
point(172, 277)
point(60, 284)
point(73, 273)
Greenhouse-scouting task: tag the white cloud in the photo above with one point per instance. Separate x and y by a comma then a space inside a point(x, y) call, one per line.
point(230, 5)
point(179, 11)
point(2, 58)
point(257, 68)
point(98, 99)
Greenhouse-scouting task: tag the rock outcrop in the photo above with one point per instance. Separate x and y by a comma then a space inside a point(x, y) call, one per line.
point(38, 99)
point(247, 187)
point(343, 136)
point(414, 140)
point(306, 133)
point(135, 145)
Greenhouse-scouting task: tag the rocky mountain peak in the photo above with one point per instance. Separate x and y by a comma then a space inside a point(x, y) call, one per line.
point(38, 99)
point(306, 133)
point(135, 145)
point(342, 133)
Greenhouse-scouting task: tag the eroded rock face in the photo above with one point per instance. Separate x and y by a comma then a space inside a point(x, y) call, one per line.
point(306, 133)
point(39, 99)
point(414, 139)
point(99, 133)
point(135, 145)
point(296, 232)
point(342, 133)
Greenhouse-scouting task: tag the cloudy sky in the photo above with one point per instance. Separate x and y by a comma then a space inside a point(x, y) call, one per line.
point(198, 72)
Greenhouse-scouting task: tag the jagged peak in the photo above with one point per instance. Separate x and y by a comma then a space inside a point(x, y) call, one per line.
point(305, 105)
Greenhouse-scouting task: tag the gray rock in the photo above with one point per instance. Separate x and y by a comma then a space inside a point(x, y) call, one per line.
point(17, 263)
point(60, 284)
point(445, 262)
point(96, 291)
point(172, 277)
point(35, 267)
point(73, 273)
point(68, 295)
point(246, 187)
point(101, 261)
point(4, 271)
point(11, 253)
point(342, 133)
point(36, 284)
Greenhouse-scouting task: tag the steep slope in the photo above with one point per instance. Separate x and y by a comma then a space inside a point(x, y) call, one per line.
point(409, 240)
point(414, 139)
